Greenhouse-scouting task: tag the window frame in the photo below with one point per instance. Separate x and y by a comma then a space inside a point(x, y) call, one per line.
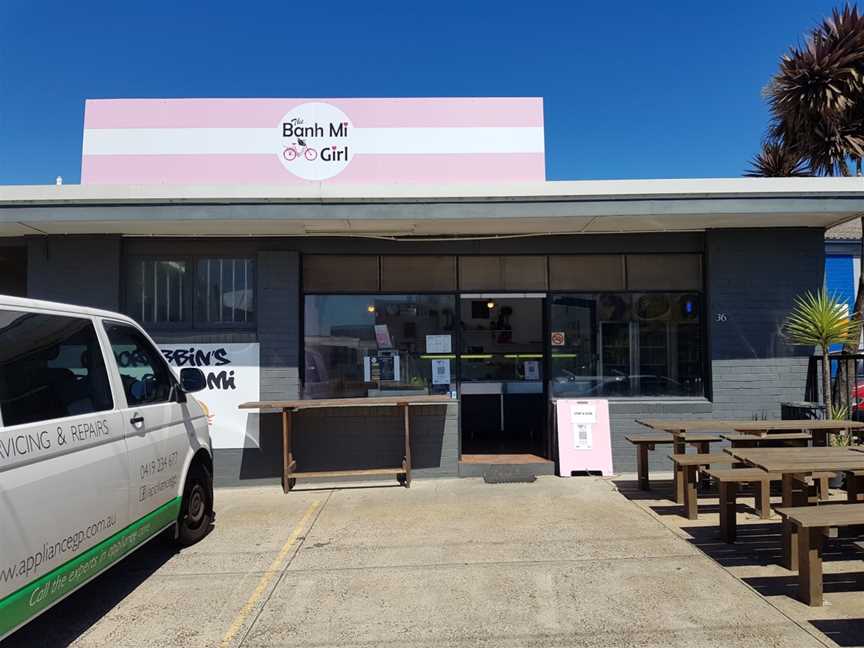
point(704, 347)
point(192, 321)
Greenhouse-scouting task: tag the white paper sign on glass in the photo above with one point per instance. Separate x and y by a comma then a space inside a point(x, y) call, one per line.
point(438, 344)
point(382, 336)
point(441, 372)
point(233, 374)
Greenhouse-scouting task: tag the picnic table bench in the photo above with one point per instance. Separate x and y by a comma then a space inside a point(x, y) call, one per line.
point(729, 480)
point(646, 442)
point(690, 465)
point(288, 408)
point(813, 524)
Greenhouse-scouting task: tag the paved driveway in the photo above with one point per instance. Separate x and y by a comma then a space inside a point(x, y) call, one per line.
point(560, 562)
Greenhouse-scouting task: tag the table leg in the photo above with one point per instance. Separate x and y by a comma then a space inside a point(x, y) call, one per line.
point(642, 466)
point(287, 452)
point(679, 446)
point(794, 494)
point(728, 506)
point(762, 493)
point(690, 498)
point(810, 565)
point(852, 487)
point(406, 462)
point(823, 491)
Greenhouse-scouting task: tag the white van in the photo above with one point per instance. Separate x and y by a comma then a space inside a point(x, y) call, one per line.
point(100, 450)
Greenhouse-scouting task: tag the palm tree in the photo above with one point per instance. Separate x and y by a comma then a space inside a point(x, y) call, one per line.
point(820, 320)
point(816, 100)
point(816, 96)
point(776, 160)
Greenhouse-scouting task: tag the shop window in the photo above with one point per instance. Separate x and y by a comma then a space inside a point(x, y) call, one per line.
point(627, 344)
point(224, 291)
point(157, 291)
point(50, 367)
point(586, 272)
point(340, 273)
point(191, 293)
point(418, 272)
point(522, 273)
point(373, 345)
point(664, 272)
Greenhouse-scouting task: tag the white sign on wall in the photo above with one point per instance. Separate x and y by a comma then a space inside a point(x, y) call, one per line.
point(233, 375)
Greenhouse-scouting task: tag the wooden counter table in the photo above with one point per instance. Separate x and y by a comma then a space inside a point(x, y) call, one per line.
point(289, 465)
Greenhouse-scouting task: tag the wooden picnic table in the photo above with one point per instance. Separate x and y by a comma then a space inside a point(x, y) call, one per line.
point(790, 439)
point(289, 407)
point(796, 465)
point(646, 442)
point(819, 428)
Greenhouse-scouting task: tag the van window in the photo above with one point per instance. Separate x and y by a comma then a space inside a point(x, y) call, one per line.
point(145, 375)
point(50, 367)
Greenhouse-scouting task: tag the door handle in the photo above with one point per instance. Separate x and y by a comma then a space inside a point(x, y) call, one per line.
point(137, 421)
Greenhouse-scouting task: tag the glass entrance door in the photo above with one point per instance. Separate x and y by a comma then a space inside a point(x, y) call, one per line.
point(501, 371)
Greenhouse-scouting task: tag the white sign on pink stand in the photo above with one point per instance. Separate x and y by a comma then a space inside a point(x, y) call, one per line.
point(584, 436)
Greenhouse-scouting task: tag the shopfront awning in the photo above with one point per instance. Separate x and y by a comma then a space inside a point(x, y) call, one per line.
point(565, 207)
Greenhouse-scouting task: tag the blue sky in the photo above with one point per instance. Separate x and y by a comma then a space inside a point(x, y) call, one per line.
point(631, 89)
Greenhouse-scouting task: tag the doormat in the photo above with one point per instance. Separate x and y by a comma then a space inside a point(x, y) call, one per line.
point(509, 474)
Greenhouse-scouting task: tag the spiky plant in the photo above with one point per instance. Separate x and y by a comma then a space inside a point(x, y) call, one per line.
point(820, 319)
point(817, 96)
point(776, 160)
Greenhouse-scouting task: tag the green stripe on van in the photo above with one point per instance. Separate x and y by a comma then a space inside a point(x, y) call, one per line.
point(31, 599)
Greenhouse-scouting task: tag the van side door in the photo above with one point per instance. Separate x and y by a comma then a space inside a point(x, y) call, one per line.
point(158, 432)
point(64, 476)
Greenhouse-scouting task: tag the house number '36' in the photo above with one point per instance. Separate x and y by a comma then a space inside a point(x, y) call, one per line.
point(721, 317)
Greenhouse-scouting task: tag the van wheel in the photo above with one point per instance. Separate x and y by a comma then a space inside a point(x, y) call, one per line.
point(196, 510)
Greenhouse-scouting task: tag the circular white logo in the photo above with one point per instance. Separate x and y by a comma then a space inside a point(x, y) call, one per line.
point(315, 141)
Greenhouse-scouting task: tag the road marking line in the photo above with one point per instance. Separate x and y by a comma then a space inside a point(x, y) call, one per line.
point(275, 567)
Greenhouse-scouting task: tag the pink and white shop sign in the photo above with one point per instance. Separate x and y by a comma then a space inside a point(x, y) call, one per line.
point(584, 436)
point(296, 141)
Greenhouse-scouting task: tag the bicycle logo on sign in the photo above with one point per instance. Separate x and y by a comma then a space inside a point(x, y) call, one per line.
point(293, 151)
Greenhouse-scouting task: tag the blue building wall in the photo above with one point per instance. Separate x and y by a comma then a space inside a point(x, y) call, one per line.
point(840, 281)
point(839, 277)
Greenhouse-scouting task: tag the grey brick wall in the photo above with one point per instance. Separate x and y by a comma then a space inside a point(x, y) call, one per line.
point(76, 270)
point(279, 324)
point(752, 280)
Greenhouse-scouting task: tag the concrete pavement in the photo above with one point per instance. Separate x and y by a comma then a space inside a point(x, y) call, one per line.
point(560, 562)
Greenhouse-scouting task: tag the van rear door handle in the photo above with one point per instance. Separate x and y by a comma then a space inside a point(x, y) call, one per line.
point(137, 420)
